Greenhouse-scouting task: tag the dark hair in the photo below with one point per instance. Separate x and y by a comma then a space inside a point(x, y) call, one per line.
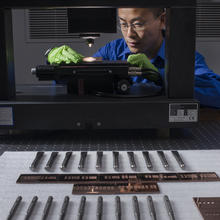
point(157, 11)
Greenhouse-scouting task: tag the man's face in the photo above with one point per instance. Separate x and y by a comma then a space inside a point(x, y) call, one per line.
point(141, 30)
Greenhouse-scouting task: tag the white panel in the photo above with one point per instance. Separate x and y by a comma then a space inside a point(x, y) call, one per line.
point(12, 164)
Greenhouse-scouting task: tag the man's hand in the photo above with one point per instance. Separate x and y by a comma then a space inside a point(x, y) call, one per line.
point(141, 61)
point(64, 54)
point(150, 72)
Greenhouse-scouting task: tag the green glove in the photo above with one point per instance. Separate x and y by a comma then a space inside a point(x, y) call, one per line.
point(149, 70)
point(64, 54)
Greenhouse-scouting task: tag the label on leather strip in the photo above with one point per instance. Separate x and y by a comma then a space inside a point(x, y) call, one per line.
point(112, 188)
point(209, 207)
point(119, 177)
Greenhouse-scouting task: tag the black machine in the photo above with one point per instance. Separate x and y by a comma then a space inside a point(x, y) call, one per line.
point(88, 77)
point(96, 76)
point(82, 109)
point(102, 78)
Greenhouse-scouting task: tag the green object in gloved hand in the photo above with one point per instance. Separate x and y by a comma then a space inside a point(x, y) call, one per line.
point(141, 61)
point(149, 70)
point(64, 54)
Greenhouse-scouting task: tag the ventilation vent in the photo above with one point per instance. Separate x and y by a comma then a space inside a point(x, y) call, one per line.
point(208, 19)
point(48, 24)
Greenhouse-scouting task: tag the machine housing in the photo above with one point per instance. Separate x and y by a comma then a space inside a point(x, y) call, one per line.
point(32, 107)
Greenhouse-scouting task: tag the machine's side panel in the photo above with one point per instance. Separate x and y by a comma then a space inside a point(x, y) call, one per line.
point(180, 52)
point(7, 77)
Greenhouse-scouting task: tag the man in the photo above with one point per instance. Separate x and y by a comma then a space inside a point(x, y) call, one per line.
point(142, 29)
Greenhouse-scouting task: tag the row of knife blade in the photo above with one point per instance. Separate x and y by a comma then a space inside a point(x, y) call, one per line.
point(82, 205)
point(99, 160)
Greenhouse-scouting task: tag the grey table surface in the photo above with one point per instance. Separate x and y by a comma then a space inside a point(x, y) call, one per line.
point(204, 136)
point(181, 194)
